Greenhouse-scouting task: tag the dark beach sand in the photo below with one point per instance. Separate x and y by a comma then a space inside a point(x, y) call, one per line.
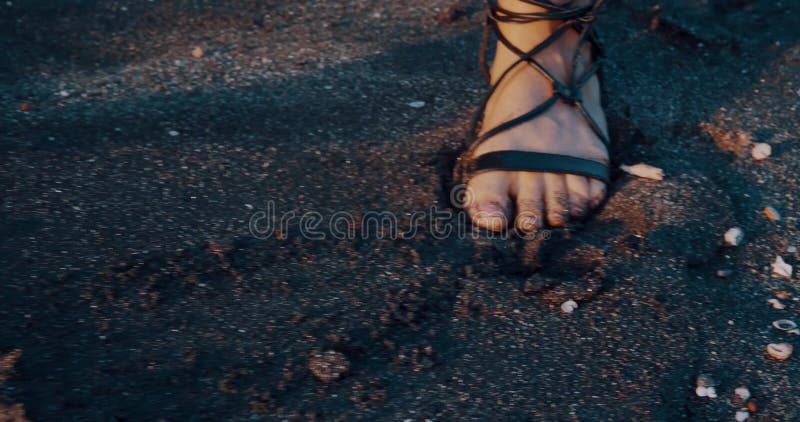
point(131, 288)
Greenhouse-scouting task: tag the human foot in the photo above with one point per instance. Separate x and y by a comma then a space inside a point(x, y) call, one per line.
point(538, 198)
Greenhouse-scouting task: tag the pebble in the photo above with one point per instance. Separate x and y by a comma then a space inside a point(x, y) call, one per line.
point(791, 249)
point(734, 236)
point(777, 304)
point(742, 415)
point(569, 306)
point(743, 393)
point(328, 366)
point(780, 351)
point(645, 171)
point(772, 214)
point(416, 104)
point(761, 151)
point(198, 53)
point(780, 268)
point(174, 133)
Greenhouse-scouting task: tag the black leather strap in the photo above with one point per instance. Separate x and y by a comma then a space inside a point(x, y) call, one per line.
point(539, 162)
point(579, 19)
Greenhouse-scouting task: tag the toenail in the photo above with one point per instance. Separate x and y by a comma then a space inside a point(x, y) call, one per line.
point(528, 223)
point(490, 208)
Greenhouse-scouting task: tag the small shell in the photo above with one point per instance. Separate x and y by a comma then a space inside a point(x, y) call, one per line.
point(761, 151)
point(777, 304)
point(781, 268)
point(786, 325)
point(198, 53)
point(644, 170)
point(701, 391)
point(569, 306)
point(734, 236)
point(416, 104)
point(791, 249)
point(780, 351)
point(743, 393)
point(772, 214)
point(742, 415)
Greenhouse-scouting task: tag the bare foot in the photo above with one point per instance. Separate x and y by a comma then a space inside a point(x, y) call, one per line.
point(534, 199)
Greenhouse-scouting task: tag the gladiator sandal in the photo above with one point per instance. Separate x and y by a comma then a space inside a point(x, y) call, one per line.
point(579, 19)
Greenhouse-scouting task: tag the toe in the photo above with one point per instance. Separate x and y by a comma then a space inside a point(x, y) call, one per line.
point(597, 192)
point(556, 199)
point(530, 202)
point(578, 191)
point(490, 206)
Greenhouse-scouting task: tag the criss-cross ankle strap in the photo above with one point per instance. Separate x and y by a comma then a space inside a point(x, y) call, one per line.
point(577, 18)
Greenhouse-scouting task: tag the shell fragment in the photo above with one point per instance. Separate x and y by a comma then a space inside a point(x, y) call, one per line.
point(780, 351)
point(786, 325)
point(761, 151)
point(644, 170)
point(743, 393)
point(569, 306)
point(772, 214)
point(777, 304)
point(742, 415)
point(734, 236)
point(780, 268)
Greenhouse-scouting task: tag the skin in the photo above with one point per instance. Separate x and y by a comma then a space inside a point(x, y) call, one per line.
point(530, 200)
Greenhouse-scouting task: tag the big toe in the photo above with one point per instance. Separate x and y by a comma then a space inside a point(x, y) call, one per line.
point(489, 207)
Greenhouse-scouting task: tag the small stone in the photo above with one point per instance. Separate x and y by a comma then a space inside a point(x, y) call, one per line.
point(777, 304)
point(416, 104)
point(742, 415)
point(791, 249)
point(328, 366)
point(761, 151)
point(780, 351)
point(645, 171)
point(198, 53)
point(734, 236)
point(174, 133)
point(743, 393)
point(569, 306)
point(63, 93)
point(772, 214)
point(781, 268)
point(724, 273)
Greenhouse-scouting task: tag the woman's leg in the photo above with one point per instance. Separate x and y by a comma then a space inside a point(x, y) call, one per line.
point(530, 200)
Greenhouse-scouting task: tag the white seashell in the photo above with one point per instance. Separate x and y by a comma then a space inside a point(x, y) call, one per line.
point(743, 393)
point(791, 249)
point(781, 268)
point(734, 236)
point(701, 391)
point(742, 415)
point(761, 151)
point(777, 304)
point(711, 392)
point(569, 306)
point(644, 170)
point(416, 104)
point(786, 325)
point(780, 351)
